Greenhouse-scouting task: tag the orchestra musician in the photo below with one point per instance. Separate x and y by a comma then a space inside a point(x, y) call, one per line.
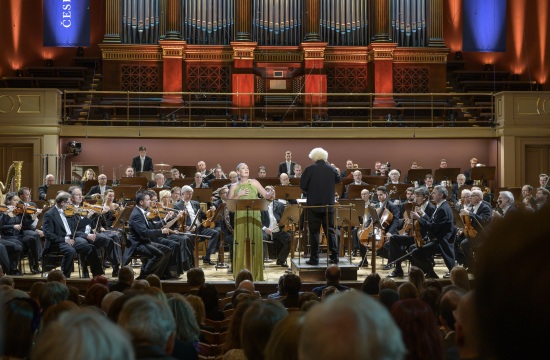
point(429, 182)
point(543, 181)
point(364, 222)
point(460, 181)
point(89, 174)
point(200, 182)
point(89, 228)
point(468, 172)
point(97, 191)
point(60, 233)
point(262, 172)
point(542, 197)
point(272, 231)
point(142, 162)
point(142, 232)
point(129, 172)
point(357, 180)
point(13, 225)
point(479, 213)
point(192, 210)
point(24, 194)
point(174, 175)
point(233, 178)
point(9, 253)
point(201, 168)
point(218, 175)
point(287, 166)
point(440, 230)
point(377, 166)
point(505, 205)
point(175, 195)
point(349, 169)
point(297, 171)
point(226, 225)
point(43, 190)
point(400, 242)
point(528, 199)
point(159, 182)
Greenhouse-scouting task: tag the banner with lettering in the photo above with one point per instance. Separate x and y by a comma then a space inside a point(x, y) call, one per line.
point(484, 25)
point(66, 22)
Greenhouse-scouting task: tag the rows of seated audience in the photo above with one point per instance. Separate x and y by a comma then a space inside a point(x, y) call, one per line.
point(504, 317)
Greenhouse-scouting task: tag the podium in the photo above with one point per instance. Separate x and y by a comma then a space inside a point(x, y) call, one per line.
point(247, 205)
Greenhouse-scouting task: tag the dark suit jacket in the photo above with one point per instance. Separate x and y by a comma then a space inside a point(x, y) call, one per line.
point(283, 169)
point(482, 217)
point(147, 164)
point(319, 182)
point(42, 191)
point(439, 226)
point(204, 185)
point(53, 228)
point(95, 190)
point(141, 232)
point(278, 210)
point(196, 206)
point(394, 209)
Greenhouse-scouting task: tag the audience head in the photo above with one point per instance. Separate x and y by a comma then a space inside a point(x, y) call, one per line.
point(388, 283)
point(209, 295)
point(187, 328)
point(154, 281)
point(258, 323)
point(447, 306)
point(388, 297)
point(333, 274)
point(140, 284)
point(95, 294)
point(247, 285)
point(292, 284)
point(56, 275)
point(109, 299)
point(371, 285)
point(126, 275)
point(416, 277)
point(242, 275)
point(36, 289)
point(149, 321)
point(195, 277)
point(55, 311)
point(21, 321)
point(504, 332)
point(284, 340)
point(198, 308)
point(92, 337)
point(407, 290)
point(354, 326)
point(52, 293)
point(418, 328)
point(459, 277)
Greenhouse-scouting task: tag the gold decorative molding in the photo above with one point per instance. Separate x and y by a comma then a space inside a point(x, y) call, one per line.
point(131, 52)
point(29, 104)
point(210, 55)
point(314, 50)
point(381, 53)
point(423, 57)
point(6, 104)
point(354, 55)
point(261, 55)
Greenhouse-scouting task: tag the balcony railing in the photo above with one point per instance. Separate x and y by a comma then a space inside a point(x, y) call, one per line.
point(119, 108)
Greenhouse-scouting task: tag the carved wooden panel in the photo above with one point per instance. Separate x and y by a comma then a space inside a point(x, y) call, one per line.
point(212, 78)
point(139, 78)
point(411, 80)
point(347, 80)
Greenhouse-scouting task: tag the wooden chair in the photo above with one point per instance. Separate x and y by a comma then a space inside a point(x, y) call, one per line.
point(218, 326)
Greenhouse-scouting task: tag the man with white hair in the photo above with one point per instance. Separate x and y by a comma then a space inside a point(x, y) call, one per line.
point(152, 326)
point(505, 204)
point(351, 326)
point(319, 182)
point(43, 190)
point(480, 216)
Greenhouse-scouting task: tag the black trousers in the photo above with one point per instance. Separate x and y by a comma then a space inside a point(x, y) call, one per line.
point(315, 219)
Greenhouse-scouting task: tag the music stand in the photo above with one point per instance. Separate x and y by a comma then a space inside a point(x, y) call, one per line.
point(364, 171)
point(126, 192)
point(446, 174)
point(149, 175)
point(400, 189)
point(347, 181)
point(291, 218)
point(417, 175)
point(266, 181)
point(140, 180)
point(187, 170)
point(294, 181)
point(288, 192)
point(218, 183)
point(483, 173)
point(354, 191)
point(375, 180)
point(202, 195)
point(123, 217)
point(181, 182)
point(339, 189)
point(346, 217)
point(54, 189)
point(247, 205)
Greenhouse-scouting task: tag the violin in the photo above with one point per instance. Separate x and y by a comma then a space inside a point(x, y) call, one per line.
point(469, 230)
point(209, 221)
point(71, 210)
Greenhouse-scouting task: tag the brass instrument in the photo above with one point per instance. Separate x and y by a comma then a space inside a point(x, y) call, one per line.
point(14, 172)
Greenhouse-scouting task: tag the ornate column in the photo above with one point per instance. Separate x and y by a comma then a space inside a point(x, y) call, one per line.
point(113, 20)
point(242, 77)
point(435, 23)
point(381, 10)
point(243, 20)
point(315, 78)
point(311, 20)
point(172, 69)
point(173, 20)
point(381, 72)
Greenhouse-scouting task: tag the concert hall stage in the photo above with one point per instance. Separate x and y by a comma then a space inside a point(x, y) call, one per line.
point(317, 272)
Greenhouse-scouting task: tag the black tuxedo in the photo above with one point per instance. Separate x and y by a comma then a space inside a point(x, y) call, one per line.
point(10, 251)
point(283, 169)
point(42, 191)
point(400, 243)
point(281, 237)
point(96, 190)
point(440, 231)
point(479, 220)
point(214, 234)
point(142, 232)
point(147, 164)
point(55, 234)
point(319, 182)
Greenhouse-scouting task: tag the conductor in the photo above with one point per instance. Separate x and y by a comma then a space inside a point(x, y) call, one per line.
point(319, 182)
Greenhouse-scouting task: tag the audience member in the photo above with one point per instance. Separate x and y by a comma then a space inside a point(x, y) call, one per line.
point(419, 330)
point(233, 338)
point(95, 294)
point(371, 284)
point(140, 284)
point(209, 295)
point(460, 278)
point(388, 283)
point(22, 321)
point(187, 328)
point(125, 279)
point(407, 290)
point(198, 309)
point(52, 293)
point(258, 323)
point(280, 290)
point(82, 334)
point(154, 281)
point(36, 288)
point(388, 297)
point(430, 296)
point(329, 290)
point(74, 295)
point(293, 286)
point(332, 276)
point(284, 340)
point(195, 279)
point(242, 275)
point(151, 324)
point(109, 299)
point(54, 312)
point(57, 275)
point(354, 327)
point(467, 336)
point(416, 277)
point(7, 280)
point(447, 306)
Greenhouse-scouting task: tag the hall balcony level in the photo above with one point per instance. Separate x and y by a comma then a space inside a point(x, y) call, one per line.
point(226, 110)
